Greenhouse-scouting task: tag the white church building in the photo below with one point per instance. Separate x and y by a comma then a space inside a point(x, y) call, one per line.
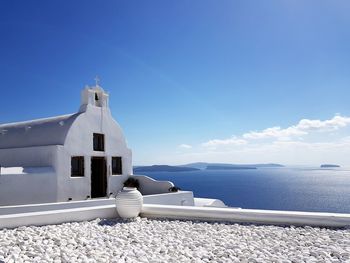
point(71, 157)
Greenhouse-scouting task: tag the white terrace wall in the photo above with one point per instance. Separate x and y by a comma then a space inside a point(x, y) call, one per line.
point(182, 198)
point(18, 189)
point(28, 187)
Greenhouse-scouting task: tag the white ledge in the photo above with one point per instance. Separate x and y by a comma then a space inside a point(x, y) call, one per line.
point(233, 215)
point(54, 217)
point(247, 215)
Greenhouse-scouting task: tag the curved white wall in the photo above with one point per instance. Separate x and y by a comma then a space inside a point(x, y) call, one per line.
point(149, 186)
point(79, 142)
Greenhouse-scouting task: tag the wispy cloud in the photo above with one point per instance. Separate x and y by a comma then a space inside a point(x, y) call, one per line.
point(328, 125)
point(185, 146)
point(226, 142)
point(304, 127)
point(274, 132)
point(305, 142)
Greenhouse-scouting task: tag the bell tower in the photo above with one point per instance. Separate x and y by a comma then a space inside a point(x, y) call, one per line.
point(94, 96)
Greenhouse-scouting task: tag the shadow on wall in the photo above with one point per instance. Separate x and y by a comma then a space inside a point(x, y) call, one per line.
point(26, 170)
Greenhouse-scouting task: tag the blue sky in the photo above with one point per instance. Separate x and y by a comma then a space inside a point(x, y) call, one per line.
point(188, 80)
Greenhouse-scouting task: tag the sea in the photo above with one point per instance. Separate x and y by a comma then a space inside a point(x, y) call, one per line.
point(292, 189)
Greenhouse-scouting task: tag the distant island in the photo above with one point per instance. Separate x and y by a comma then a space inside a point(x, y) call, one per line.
point(202, 166)
point(330, 166)
point(233, 167)
point(163, 168)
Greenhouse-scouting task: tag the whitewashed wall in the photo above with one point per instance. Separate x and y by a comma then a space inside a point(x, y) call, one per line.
point(183, 198)
point(17, 189)
point(29, 156)
point(79, 142)
point(28, 187)
point(149, 186)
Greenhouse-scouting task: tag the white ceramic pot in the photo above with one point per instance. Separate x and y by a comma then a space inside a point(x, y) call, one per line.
point(129, 202)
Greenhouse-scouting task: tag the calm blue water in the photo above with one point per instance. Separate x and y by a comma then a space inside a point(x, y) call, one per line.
point(274, 188)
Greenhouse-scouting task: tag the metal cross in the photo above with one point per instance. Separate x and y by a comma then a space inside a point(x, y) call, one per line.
point(97, 80)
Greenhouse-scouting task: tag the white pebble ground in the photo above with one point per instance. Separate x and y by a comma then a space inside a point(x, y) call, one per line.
point(145, 240)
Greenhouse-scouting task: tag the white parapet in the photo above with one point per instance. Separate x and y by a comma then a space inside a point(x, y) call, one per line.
point(234, 215)
point(53, 217)
point(207, 202)
point(183, 198)
point(31, 208)
point(238, 215)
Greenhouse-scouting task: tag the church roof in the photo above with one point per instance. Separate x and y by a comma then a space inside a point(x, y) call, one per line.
point(40, 132)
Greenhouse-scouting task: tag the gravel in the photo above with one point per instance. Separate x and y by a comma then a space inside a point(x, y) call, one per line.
point(145, 240)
